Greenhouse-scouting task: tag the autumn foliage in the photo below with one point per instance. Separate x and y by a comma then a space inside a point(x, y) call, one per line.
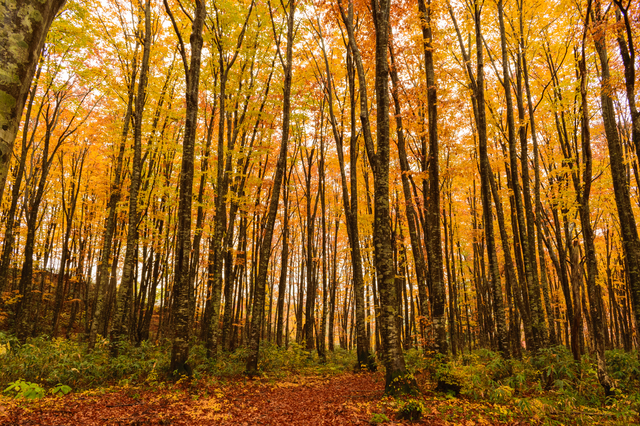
point(443, 191)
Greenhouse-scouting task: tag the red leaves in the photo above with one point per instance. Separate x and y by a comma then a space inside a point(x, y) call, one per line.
point(347, 399)
point(299, 400)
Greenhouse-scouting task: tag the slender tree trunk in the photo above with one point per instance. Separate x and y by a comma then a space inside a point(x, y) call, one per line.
point(628, 228)
point(412, 217)
point(69, 213)
point(102, 282)
point(265, 248)
point(27, 142)
point(322, 334)
point(284, 264)
point(222, 187)
point(485, 185)
point(310, 305)
point(182, 285)
point(334, 285)
point(123, 304)
point(396, 378)
point(434, 253)
point(350, 201)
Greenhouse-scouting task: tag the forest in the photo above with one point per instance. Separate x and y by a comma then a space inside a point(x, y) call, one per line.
point(319, 212)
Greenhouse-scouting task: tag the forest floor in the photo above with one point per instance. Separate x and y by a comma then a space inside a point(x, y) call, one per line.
point(343, 399)
point(296, 388)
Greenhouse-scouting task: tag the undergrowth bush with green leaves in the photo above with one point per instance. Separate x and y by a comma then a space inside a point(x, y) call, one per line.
point(273, 360)
point(411, 409)
point(486, 375)
point(49, 362)
point(68, 362)
point(551, 381)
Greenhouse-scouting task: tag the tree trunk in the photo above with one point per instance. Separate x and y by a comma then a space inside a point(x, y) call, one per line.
point(76, 174)
point(396, 378)
point(265, 248)
point(433, 215)
point(182, 283)
point(485, 185)
point(123, 304)
point(350, 201)
point(102, 282)
point(628, 228)
point(412, 217)
point(27, 142)
point(25, 27)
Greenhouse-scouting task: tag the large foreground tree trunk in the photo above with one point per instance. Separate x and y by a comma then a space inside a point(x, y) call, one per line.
point(25, 24)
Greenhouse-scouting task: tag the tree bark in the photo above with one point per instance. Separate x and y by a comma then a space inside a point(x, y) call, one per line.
point(434, 253)
point(350, 201)
point(182, 287)
point(123, 304)
point(27, 142)
point(396, 378)
point(628, 228)
point(265, 248)
point(101, 305)
point(25, 27)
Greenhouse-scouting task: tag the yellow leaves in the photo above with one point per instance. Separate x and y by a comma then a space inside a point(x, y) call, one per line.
point(298, 381)
point(211, 408)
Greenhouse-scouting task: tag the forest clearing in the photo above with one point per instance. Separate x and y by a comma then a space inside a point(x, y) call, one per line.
point(319, 212)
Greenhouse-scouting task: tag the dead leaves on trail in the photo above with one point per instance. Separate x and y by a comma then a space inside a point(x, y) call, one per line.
point(348, 399)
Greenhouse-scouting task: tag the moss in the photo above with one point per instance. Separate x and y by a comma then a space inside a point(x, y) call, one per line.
point(7, 102)
point(28, 16)
point(8, 75)
point(18, 48)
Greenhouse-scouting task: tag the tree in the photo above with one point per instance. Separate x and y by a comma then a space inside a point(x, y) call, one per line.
point(396, 378)
point(628, 227)
point(182, 284)
point(225, 64)
point(26, 25)
point(434, 254)
point(125, 293)
point(265, 248)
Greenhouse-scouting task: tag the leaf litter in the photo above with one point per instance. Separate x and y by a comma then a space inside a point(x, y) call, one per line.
point(345, 399)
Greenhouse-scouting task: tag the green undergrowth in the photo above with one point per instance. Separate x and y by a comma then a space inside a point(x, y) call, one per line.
point(550, 387)
point(50, 362)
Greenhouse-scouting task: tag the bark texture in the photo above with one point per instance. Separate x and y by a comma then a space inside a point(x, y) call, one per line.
point(265, 249)
point(23, 30)
point(182, 283)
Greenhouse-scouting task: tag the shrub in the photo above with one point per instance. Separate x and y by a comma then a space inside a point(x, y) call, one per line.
point(26, 390)
point(411, 409)
point(55, 361)
point(624, 368)
point(378, 418)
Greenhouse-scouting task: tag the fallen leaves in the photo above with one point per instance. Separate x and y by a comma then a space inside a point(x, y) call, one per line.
point(348, 399)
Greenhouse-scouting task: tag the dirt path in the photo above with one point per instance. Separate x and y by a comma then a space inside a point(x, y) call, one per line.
point(347, 399)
